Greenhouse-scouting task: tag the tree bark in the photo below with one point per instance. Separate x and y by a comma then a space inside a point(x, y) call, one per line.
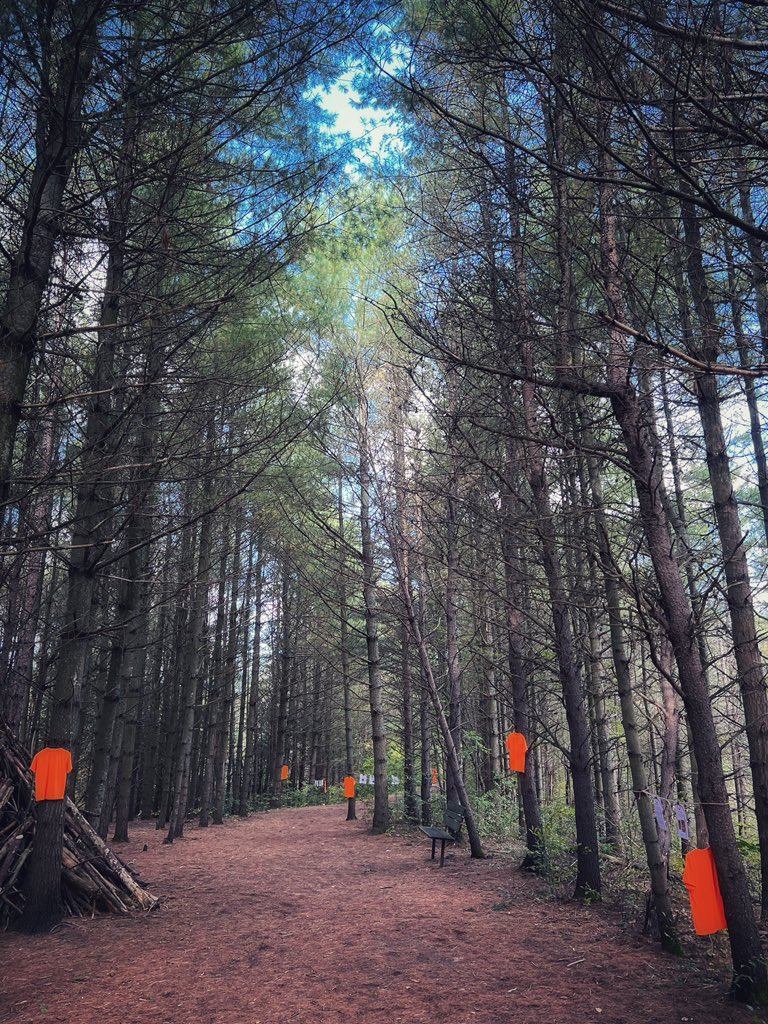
point(67, 64)
point(346, 683)
point(190, 666)
point(214, 701)
point(411, 804)
point(250, 769)
point(375, 683)
point(475, 844)
point(738, 592)
point(452, 657)
point(228, 667)
point(535, 858)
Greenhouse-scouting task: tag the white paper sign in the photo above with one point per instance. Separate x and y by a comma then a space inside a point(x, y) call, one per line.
point(682, 822)
point(363, 780)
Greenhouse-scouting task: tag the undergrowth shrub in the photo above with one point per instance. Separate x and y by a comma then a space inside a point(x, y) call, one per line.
point(497, 812)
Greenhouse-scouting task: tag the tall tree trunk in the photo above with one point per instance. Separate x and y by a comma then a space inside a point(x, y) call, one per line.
point(411, 804)
point(750, 979)
point(671, 723)
point(425, 724)
point(738, 592)
point(58, 134)
point(229, 669)
point(283, 683)
point(214, 709)
point(452, 658)
point(475, 844)
point(750, 388)
point(134, 666)
point(757, 265)
point(621, 662)
point(239, 798)
point(535, 858)
point(28, 586)
point(190, 666)
point(587, 854)
point(150, 760)
point(375, 683)
point(654, 855)
point(489, 712)
point(89, 543)
point(346, 683)
point(250, 771)
point(607, 771)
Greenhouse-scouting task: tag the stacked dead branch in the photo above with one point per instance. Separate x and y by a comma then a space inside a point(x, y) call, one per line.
point(93, 879)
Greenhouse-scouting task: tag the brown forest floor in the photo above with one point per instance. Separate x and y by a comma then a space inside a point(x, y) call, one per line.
point(298, 917)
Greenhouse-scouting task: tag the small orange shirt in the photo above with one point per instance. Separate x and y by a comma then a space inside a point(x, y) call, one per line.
point(700, 879)
point(349, 787)
point(285, 773)
point(434, 776)
point(517, 746)
point(51, 767)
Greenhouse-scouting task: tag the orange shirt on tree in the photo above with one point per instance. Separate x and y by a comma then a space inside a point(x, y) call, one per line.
point(51, 767)
point(349, 787)
point(284, 773)
point(517, 746)
point(700, 879)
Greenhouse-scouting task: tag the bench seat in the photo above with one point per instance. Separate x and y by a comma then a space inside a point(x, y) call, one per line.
point(454, 817)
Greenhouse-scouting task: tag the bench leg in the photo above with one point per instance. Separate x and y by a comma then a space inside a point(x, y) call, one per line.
point(433, 848)
point(442, 852)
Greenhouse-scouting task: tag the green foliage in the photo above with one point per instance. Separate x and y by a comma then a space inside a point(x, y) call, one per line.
point(497, 812)
point(396, 765)
point(559, 828)
point(749, 848)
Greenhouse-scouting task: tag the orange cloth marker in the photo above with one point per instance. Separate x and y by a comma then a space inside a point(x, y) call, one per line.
point(517, 746)
point(51, 767)
point(284, 773)
point(434, 777)
point(349, 787)
point(700, 879)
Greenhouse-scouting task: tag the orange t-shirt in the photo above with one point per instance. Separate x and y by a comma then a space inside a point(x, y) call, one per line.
point(285, 773)
point(349, 787)
point(700, 879)
point(517, 746)
point(51, 767)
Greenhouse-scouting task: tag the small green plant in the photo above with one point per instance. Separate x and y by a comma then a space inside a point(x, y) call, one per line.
point(498, 812)
point(502, 905)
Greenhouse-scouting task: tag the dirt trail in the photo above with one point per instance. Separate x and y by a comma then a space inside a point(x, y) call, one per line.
point(298, 917)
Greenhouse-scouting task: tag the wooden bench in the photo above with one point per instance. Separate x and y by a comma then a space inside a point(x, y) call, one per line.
point(454, 816)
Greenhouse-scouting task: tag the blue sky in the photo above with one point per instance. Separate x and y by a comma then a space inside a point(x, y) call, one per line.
point(374, 130)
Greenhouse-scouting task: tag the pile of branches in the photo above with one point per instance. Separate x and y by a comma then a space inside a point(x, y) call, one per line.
point(93, 879)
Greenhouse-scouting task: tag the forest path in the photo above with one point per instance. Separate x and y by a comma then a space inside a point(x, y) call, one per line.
point(299, 917)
